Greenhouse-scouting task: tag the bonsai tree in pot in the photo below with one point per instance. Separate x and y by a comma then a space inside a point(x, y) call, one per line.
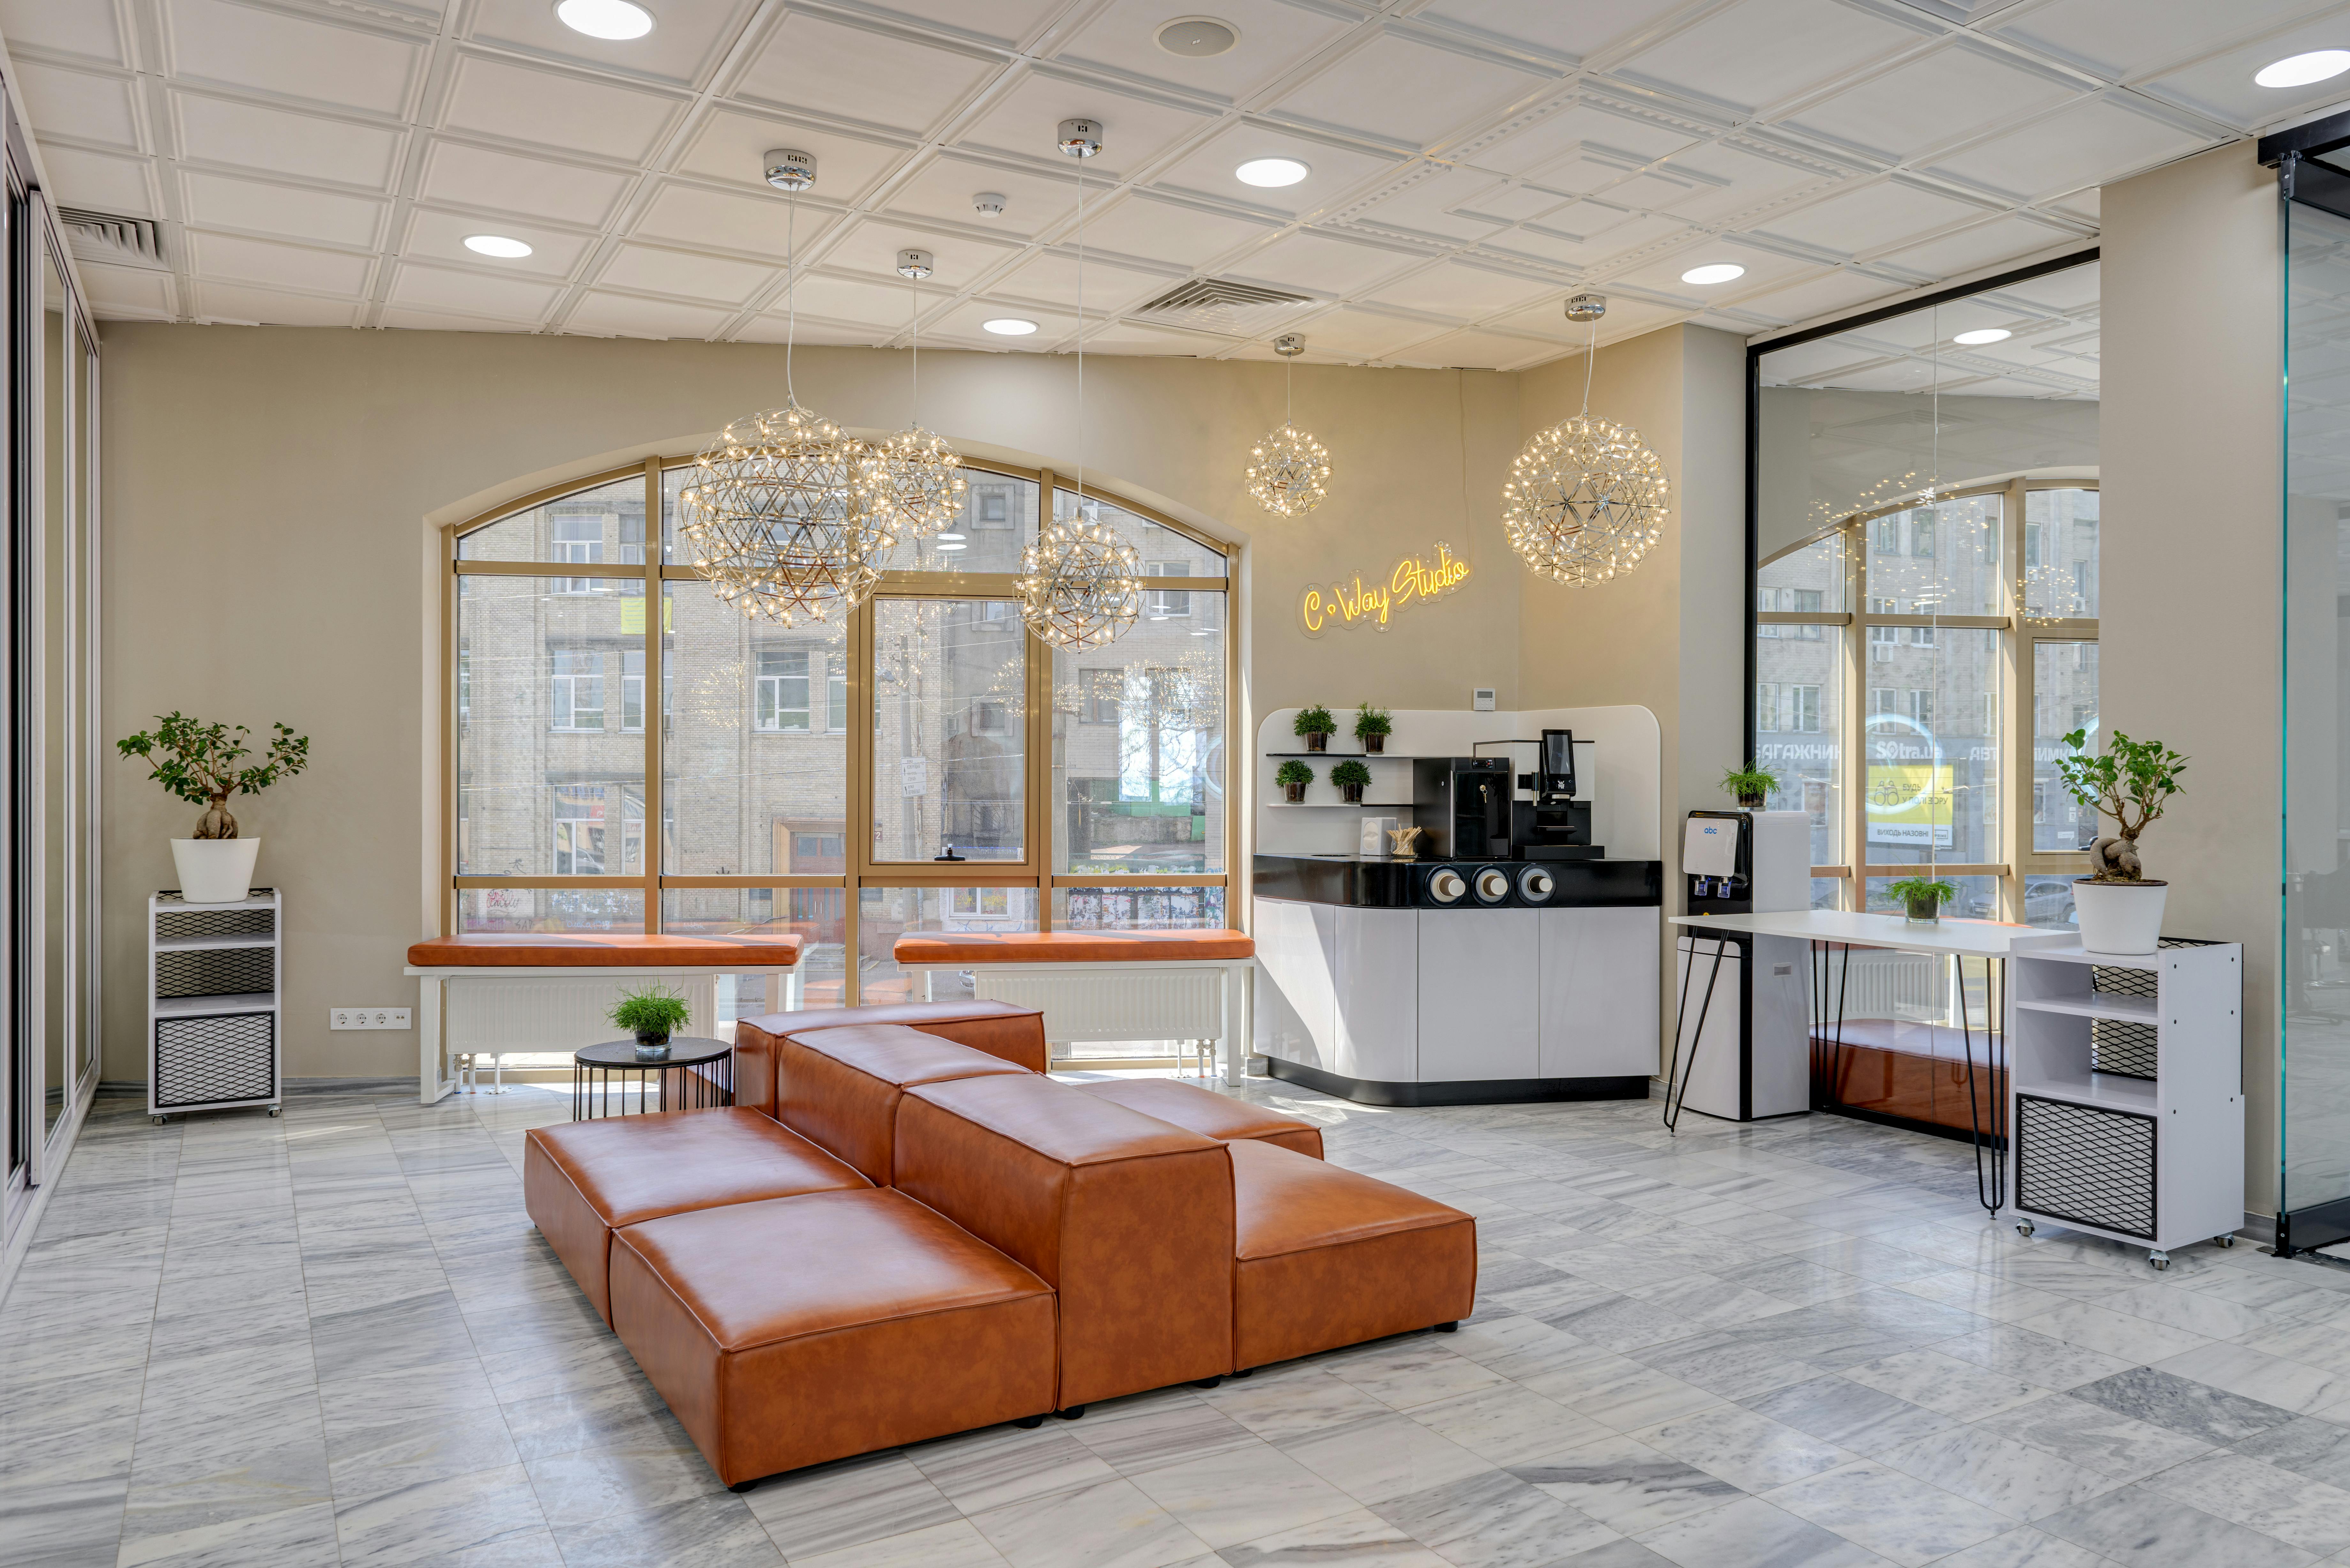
point(2119, 908)
point(1923, 898)
point(1316, 725)
point(1294, 776)
point(204, 764)
point(652, 1013)
point(1351, 776)
point(1372, 727)
point(1749, 786)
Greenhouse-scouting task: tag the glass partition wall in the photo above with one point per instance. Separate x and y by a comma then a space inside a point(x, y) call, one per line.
point(698, 771)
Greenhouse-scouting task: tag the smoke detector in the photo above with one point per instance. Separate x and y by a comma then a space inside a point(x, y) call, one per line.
point(988, 203)
point(1198, 38)
point(789, 171)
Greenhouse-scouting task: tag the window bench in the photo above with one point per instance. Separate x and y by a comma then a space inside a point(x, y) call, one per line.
point(1181, 985)
point(520, 989)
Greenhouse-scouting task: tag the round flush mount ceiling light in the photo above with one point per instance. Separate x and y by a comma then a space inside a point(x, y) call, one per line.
point(1271, 172)
point(1983, 335)
point(1198, 38)
point(2300, 70)
point(1713, 272)
point(497, 246)
point(618, 20)
point(1009, 326)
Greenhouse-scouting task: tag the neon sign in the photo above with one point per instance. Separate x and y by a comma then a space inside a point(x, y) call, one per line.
point(1354, 602)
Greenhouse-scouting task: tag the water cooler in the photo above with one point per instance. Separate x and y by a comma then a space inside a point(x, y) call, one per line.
point(1741, 1047)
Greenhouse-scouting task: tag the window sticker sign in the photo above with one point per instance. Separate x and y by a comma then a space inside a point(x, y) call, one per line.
point(1358, 601)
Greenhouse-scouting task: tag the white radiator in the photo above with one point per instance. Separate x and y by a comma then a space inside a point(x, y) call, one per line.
point(555, 1013)
point(1106, 1004)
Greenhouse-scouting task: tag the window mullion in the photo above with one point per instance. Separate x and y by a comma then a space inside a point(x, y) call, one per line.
point(650, 703)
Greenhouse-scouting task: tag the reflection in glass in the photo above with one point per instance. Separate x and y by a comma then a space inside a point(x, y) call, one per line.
point(819, 915)
point(996, 521)
point(1799, 727)
point(1978, 899)
point(885, 914)
point(58, 729)
point(2060, 554)
point(1806, 580)
point(2048, 901)
point(604, 526)
point(1931, 730)
point(1934, 560)
point(2064, 699)
point(526, 909)
point(84, 669)
point(1165, 553)
point(950, 701)
point(1139, 744)
point(1138, 908)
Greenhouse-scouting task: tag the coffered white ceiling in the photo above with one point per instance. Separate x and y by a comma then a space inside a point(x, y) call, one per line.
point(318, 162)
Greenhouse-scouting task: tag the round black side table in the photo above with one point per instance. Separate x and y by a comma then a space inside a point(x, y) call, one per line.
point(594, 1068)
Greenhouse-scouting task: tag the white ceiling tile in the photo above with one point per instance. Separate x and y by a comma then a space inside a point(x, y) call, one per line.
point(344, 63)
point(2222, 87)
point(1273, 38)
point(1932, 100)
point(89, 29)
point(1650, 190)
point(990, 21)
point(963, 324)
point(1507, 203)
point(79, 104)
point(565, 111)
point(1134, 337)
point(870, 246)
point(888, 307)
point(2074, 291)
point(227, 302)
point(1477, 352)
point(812, 329)
point(492, 182)
point(2092, 143)
point(1321, 263)
point(1399, 89)
point(814, 63)
point(762, 224)
point(1334, 170)
point(127, 291)
point(1726, 181)
point(435, 236)
point(685, 46)
point(1461, 291)
point(472, 293)
point(1829, 293)
point(729, 145)
point(279, 141)
point(1172, 232)
point(1636, 232)
point(651, 271)
point(1856, 220)
point(1970, 250)
point(1579, 28)
point(1662, 275)
point(1051, 278)
point(1134, 131)
point(627, 317)
point(1587, 220)
point(100, 180)
point(1364, 334)
point(219, 201)
point(289, 266)
point(2118, 38)
point(447, 321)
point(1427, 203)
point(1762, 52)
point(943, 188)
point(2086, 204)
point(1578, 127)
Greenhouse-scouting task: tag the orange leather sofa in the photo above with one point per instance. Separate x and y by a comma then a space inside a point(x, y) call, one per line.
point(999, 1028)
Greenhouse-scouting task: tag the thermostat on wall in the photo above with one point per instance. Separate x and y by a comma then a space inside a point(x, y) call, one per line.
point(1481, 698)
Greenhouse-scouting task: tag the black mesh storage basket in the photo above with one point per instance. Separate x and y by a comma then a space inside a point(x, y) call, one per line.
point(2123, 1047)
point(177, 925)
point(215, 972)
point(2084, 1164)
point(209, 1061)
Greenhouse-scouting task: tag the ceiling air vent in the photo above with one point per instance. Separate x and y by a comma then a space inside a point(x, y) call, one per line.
point(1218, 305)
point(108, 237)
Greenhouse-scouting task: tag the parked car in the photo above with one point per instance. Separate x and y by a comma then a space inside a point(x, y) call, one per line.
point(2048, 904)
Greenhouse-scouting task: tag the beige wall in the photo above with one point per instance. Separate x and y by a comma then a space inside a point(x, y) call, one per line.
point(267, 555)
point(2191, 314)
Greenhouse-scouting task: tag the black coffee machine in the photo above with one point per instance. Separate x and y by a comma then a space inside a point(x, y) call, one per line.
point(1552, 825)
point(1463, 804)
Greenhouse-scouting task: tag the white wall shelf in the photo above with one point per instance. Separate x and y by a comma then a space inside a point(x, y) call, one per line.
point(215, 978)
point(2099, 1004)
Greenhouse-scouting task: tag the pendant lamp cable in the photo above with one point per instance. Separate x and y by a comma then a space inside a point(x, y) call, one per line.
point(791, 308)
point(1081, 339)
point(1590, 353)
point(915, 413)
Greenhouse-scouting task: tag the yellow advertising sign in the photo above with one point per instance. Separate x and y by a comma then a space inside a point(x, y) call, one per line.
point(1354, 602)
point(1909, 803)
point(632, 615)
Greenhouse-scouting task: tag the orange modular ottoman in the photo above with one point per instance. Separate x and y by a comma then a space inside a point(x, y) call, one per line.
point(1128, 1218)
point(1208, 1113)
point(582, 1180)
point(998, 1028)
point(798, 1330)
point(1324, 1257)
point(839, 1088)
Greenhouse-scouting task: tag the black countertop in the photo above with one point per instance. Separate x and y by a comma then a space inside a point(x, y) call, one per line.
point(1383, 882)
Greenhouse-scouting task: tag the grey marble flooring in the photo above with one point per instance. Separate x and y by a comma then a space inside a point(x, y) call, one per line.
point(335, 1338)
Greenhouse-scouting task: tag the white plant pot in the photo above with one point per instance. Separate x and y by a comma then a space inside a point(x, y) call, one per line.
point(214, 870)
point(2120, 917)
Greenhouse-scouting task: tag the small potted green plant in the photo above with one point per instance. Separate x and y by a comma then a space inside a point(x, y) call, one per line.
point(2118, 906)
point(199, 764)
point(1316, 725)
point(1351, 776)
point(1750, 785)
point(1372, 727)
point(1294, 776)
point(1923, 896)
point(652, 1013)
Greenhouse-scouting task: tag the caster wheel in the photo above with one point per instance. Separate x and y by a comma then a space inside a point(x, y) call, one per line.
point(2023, 1227)
point(2227, 1241)
point(2157, 1262)
point(1029, 1423)
point(157, 1121)
point(277, 1110)
point(1073, 1413)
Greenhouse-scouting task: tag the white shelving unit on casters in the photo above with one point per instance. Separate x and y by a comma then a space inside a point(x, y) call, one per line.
point(216, 976)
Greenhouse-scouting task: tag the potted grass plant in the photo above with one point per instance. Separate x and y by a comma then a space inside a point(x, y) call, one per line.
point(1351, 776)
point(1749, 786)
point(1922, 897)
point(1372, 727)
point(2118, 906)
point(204, 764)
point(1294, 776)
point(1316, 726)
point(652, 1013)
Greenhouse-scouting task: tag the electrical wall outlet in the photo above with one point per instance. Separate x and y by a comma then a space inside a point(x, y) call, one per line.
point(367, 1018)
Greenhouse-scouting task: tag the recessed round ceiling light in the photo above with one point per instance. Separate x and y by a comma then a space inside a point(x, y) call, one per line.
point(1982, 335)
point(615, 19)
point(496, 246)
point(1713, 272)
point(1271, 171)
point(1198, 38)
point(2300, 70)
point(1010, 326)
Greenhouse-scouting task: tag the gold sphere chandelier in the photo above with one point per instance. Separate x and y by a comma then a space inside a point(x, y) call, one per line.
point(1288, 471)
point(918, 475)
point(1586, 499)
point(1080, 584)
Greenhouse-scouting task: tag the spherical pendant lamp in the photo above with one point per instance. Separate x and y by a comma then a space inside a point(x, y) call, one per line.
point(1586, 499)
point(1288, 470)
point(918, 475)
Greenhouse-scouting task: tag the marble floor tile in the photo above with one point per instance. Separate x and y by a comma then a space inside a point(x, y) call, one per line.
point(2025, 1547)
point(2308, 1513)
point(850, 1504)
point(1627, 1485)
point(1752, 1533)
point(1999, 1472)
point(1507, 1425)
point(2309, 1447)
point(2135, 1340)
point(1357, 1540)
point(2270, 1379)
point(1944, 1383)
point(1385, 1457)
point(1133, 1436)
point(2182, 1405)
point(1416, 1370)
point(1835, 1410)
point(2137, 1527)
point(1750, 1451)
point(1001, 1465)
point(2035, 1357)
point(952, 1543)
point(1238, 1496)
point(1620, 1393)
point(1890, 1512)
point(1118, 1522)
point(474, 1513)
point(300, 1536)
point(2096, 1436)
point(1292, 1401)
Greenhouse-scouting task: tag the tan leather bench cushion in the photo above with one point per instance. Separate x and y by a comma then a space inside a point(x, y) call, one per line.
point(839, 1088)
point(999, 1028)
point(1325, 1257)
point(1130, 1218)
point(582, 1180)
point(1071, 947)
point(607, 949)
point(1208, 1113)
point(791, 1332)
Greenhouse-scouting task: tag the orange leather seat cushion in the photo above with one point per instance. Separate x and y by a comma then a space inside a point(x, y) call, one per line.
point(1325, 1257)
point(1128, 1218)
point(791, 1332)
point(607, 949)
point(839, 1088)
point(999, 1028)
point(582, 1180)
point(1208, 1113)
point(1071, 947)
